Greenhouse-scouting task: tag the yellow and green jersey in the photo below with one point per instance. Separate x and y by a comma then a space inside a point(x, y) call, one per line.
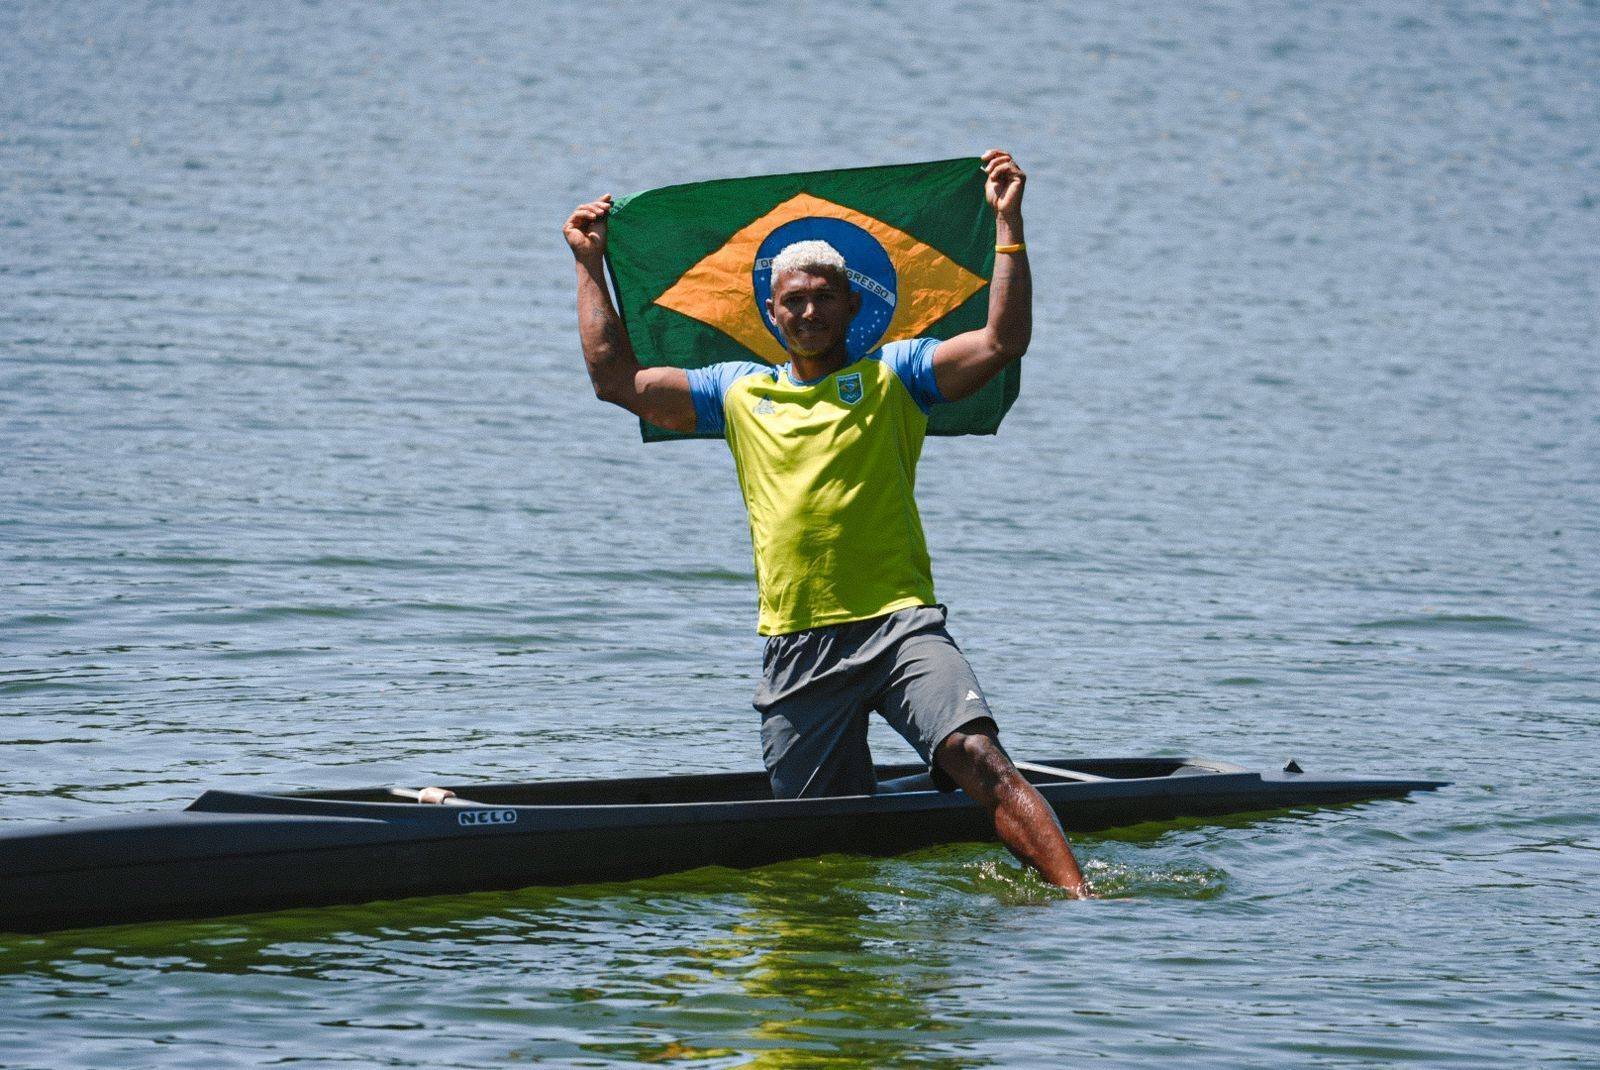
point(828, 470)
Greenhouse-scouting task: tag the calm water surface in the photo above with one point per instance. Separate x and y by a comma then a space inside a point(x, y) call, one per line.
point(301, 484)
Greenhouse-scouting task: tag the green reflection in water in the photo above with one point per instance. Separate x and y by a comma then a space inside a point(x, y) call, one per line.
point(824, 970)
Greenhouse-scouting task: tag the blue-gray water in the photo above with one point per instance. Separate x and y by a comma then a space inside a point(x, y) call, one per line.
point(301, 484)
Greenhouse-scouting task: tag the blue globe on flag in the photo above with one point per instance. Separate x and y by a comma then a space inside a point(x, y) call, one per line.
point(871, 272)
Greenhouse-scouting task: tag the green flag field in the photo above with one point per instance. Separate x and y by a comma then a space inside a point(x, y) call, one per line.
point(691, 267)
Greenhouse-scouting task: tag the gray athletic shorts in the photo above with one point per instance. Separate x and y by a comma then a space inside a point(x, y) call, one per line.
point(817, 687)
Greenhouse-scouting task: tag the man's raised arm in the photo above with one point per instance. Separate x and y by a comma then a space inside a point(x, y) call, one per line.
point(961, 365)
point(659, 395)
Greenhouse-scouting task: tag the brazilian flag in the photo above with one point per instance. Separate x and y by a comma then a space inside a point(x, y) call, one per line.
point(691, 266)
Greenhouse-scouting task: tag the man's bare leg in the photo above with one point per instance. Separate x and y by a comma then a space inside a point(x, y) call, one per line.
point(1025, 823)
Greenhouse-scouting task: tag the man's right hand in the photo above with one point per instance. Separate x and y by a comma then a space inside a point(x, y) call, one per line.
point(585, 229)
point(659, 395)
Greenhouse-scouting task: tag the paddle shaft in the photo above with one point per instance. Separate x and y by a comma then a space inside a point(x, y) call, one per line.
point(1057, 771)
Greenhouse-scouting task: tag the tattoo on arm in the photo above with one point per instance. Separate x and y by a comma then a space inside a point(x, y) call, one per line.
point(605, 348)
point(606, 320)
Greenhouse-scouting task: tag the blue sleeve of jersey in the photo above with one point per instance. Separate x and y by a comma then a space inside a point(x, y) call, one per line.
point(912, 361)
point(708, 386)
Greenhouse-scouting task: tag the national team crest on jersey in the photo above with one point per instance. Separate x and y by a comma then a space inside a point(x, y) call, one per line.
point(850, 388)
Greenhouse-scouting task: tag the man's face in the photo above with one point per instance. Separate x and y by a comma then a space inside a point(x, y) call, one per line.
point(812, 311)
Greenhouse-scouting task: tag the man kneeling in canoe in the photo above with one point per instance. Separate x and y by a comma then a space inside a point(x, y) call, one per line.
point(826, 448)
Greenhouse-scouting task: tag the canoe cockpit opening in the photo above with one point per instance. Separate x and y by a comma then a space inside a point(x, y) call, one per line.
point(710, 787)
point(750, 787)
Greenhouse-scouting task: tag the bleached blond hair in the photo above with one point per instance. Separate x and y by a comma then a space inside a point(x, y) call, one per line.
point(817, 257)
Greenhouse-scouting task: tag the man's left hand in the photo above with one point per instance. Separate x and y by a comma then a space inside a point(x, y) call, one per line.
point(1003, 189)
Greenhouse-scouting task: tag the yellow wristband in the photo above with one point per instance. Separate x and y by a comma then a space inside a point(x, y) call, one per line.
point(1017, 248)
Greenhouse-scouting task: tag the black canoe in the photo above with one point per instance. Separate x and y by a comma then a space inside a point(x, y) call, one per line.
point(232, 852)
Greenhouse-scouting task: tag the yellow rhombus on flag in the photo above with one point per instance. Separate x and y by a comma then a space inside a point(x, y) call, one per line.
point(717, 290)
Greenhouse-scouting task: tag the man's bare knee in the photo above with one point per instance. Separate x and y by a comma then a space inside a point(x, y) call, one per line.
point(974, 750)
